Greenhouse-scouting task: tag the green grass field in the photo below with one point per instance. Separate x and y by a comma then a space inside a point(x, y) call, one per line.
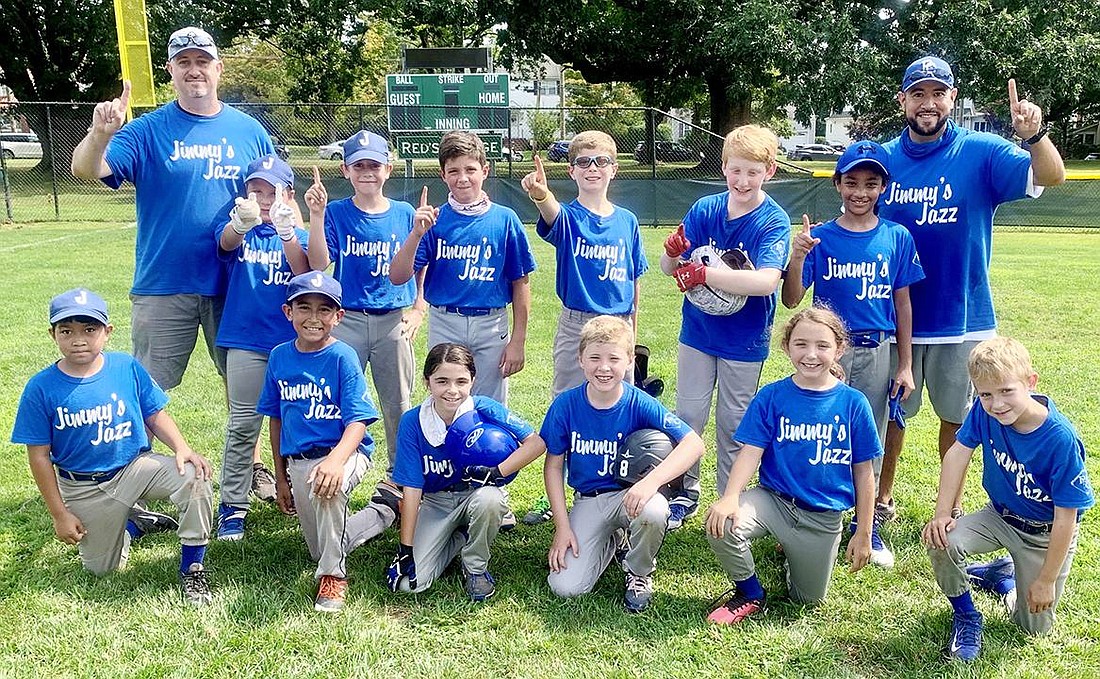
point(57, 620)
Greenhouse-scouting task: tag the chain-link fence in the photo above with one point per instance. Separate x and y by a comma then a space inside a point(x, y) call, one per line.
point(665, 163)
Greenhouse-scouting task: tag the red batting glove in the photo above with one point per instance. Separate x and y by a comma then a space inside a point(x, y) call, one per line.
point(690, 275)
point(677, 243)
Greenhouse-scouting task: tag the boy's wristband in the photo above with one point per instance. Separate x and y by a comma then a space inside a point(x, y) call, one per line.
point(540, 201)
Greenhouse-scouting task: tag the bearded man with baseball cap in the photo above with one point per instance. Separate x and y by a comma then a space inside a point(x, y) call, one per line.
point(945, 184)
point(186, 161)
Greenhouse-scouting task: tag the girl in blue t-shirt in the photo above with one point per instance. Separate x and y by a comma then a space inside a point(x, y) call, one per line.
point(813, 439)
point(448, 511)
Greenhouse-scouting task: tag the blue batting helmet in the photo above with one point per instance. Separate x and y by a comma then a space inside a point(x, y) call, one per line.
point(473, 441)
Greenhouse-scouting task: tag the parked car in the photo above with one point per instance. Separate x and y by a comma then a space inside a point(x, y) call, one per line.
point(558, 151)
point(332, 151)
point(512, 154)
point(1093, 156)
point(814, 152)
point(20, 145)
point(666, 152)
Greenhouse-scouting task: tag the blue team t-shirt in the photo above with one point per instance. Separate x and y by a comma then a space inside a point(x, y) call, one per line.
point(91, 424)
point(765, 236)
point(945, 192)
point(316, 395)
point(811, 440)
point(473, 260)
point(598, 258)
point(362, 245)
point(186, 170)
point(258, 273)
point(855, 273)
point(1030, 474)
point(589, 437)
point(419, 464)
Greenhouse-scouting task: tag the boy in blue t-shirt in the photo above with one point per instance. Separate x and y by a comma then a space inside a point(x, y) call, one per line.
point(727, 352)
point(317, 399)
point(263, 248)
point(1033, 468)
point(84, 422)
point(583, 430)
point(363, 233)
point(478, 260)
point(599, 255)
point(861, 267)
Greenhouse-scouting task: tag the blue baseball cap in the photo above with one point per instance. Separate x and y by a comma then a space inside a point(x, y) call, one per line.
point(366, 145)
point(861, 152)
point(272, 169)
point(314, 283)
point(78, 302)
point(927, 69)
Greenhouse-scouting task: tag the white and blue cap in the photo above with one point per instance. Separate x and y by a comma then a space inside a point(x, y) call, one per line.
point(78, 302)
point(314, 283)
point(927, 69)
point(860, 153)
point(364, 145)
point(272, 169)
point(191, 38)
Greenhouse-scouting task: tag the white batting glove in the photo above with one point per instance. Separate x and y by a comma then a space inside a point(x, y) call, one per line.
point(282, 215)
point(245, 214)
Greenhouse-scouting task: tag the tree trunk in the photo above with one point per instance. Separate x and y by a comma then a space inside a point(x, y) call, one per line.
point(729, 108)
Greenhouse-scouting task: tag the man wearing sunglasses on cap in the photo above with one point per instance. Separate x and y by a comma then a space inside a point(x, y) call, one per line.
point(186, 162)
point(945, 184)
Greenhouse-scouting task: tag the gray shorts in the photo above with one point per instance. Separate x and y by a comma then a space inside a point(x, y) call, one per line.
point(164, 329)
point(942, 369)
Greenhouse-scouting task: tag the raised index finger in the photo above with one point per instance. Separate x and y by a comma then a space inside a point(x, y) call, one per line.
point(424, 197)
point(540, 173)
point(279, 193)
point(124, 98)
point(1013, 100)
point(806, 223)
point(316, 175)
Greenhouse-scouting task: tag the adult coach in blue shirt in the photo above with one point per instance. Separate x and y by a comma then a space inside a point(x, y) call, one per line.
point(945, 184)
point(185, 160)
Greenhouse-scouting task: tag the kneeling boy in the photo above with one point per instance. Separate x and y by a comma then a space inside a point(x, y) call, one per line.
point(1033, 468)
point(87, 416)
point(587, 424)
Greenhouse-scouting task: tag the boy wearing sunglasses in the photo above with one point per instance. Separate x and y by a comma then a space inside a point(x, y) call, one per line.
point(599, 257)
point(599, 249)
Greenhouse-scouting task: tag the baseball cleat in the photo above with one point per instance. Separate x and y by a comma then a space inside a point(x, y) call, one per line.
point(966, 637)
point(881, 555)
point(389, 495)
point(480, 586)
point(147, 521)
point(195, 586)
point(736, 609)
point(678, 512)
point(885, 512)
point(639, 590)
point(231, 522)
point(263, 482)
point(540, 512)
point(331, 592)
point(997, 577)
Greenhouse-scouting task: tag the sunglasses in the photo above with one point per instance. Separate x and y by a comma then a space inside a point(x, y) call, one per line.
point(588, 161)
point(190, 39)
